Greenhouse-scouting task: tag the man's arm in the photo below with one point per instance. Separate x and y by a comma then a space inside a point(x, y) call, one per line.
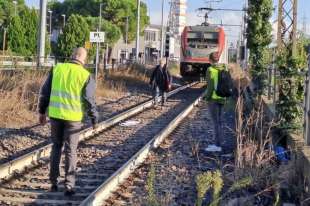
point(45, 93)
point(89, 97)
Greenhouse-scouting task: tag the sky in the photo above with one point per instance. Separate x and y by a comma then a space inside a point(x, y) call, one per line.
point(226, 17)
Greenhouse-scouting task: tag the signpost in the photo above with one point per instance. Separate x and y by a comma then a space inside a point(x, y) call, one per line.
point(96, 37)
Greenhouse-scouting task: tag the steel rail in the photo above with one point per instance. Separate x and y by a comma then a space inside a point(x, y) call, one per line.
point(21, 163)
point(104, 191)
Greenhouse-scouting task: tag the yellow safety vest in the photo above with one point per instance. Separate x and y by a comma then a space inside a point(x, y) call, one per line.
point(214, 75)
point(66, 92)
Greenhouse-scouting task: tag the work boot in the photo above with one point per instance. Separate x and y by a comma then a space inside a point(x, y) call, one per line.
point(69, 191)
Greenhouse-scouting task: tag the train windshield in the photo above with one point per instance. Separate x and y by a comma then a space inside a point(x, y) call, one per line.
point(201, 44)
point(202, 40)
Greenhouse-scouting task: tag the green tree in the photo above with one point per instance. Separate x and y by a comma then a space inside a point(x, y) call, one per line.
point(113, 11)
point(30, 20)
point(75, 33)
point(291, 83)
point(16, 36)
point(7, 12)
point(259, 37)
point(116, 12)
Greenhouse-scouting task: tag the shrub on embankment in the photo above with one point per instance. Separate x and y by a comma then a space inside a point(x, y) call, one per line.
point(259, 174)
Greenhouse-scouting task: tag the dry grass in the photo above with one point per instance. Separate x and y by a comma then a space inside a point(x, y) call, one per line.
point(134, 74)
point(116, 82)
point(19, 97)
point(255, 158)
point(19, 92)
point(240, 78)
point(254, 141)
point(110, 89)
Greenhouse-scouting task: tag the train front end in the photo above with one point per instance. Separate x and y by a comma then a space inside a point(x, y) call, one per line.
point(198, 44)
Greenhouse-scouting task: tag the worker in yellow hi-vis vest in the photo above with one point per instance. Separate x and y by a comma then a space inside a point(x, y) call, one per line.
point(67, 93)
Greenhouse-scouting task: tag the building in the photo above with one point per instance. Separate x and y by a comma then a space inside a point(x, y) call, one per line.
point(149, 46)
point(180, 13)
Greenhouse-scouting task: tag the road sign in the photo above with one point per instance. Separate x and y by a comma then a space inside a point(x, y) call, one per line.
point(96, 37)
point(87, 45)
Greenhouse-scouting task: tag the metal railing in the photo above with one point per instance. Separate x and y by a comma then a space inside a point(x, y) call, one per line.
point(30, 63)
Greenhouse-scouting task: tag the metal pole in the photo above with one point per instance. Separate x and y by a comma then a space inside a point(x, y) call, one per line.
point(106, 55)
point(162, 29)
point(294, 31)
point(138, 30)
point(99, 44)
point(50, 21)
point(42, 30)
point(15, 11)
point(280, 28)
point(126, 40)
point(100, 16)
point(64, 16)
point(274, 77)
point(307, 107)
point(97, 62)
point(50, 30)
point(245, 37)
point(4, 39)
point(269, 82)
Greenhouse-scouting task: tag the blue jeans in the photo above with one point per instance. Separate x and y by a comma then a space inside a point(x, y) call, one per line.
point(158, 92)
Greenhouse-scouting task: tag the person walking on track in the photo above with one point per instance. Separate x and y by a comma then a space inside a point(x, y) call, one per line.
point(219, 87)
point(161, 82)
point(67, 93)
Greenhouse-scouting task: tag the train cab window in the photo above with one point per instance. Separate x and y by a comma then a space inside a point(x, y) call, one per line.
point(200, 40)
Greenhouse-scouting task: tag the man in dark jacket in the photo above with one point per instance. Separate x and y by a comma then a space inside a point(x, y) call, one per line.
point(161, 82)
point(67, 93)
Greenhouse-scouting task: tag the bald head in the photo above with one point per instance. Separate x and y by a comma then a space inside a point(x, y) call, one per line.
point(162, 62)
point(80, 54)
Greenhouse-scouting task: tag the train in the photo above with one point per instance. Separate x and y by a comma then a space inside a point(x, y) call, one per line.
point(198, 44)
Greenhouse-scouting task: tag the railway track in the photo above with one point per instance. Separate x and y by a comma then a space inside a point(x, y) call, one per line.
point(106, 156)
point(17, 142)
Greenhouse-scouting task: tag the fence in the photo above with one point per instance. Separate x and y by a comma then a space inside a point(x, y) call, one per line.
point(273, 76)
point(30, 63)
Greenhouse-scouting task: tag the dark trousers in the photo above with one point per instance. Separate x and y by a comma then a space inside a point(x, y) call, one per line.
point(157, 93)
point(64, 133)
point(216, 110)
